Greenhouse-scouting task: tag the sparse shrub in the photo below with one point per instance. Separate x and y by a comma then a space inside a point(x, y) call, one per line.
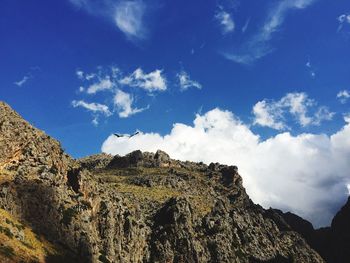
point(6, 231)
point(7, 251)
point(68, 215)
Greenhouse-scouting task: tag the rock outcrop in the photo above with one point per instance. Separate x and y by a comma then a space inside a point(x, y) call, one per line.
point(332, 243)
point(142, 207)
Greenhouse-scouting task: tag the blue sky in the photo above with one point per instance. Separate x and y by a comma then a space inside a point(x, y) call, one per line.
point(83, 69)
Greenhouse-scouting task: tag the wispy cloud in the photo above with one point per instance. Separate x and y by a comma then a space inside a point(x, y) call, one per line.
point(124, 104)
point(129, 18)
point(23, 81)
point(128, 15)
point(273, 113)
point(103, 84)
point(246, 25)
point(185, 82)
point(225, 20)
point(343, 96)
point(343, 20)
point(28, 76)
point(153, 81)
point(310, 68)
point(119, 90)
point(94, 107)
point(258, 44)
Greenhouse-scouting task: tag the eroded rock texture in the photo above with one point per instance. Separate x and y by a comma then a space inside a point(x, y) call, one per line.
point(142, 207)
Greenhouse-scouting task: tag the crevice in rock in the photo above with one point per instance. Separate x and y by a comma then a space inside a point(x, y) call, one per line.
point(73, 179)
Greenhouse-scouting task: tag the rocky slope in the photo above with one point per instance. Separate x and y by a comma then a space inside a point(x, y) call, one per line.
point(332, 243)
point(143, 207)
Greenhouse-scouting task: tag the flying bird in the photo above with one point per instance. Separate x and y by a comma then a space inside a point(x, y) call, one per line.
point(133, 134)
point(125, 135)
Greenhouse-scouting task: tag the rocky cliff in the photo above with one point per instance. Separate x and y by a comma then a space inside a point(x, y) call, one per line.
point(332, 243)
point(142, 207)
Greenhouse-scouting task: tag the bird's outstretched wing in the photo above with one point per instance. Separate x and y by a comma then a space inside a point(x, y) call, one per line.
point(133, 134)
point(118, 135)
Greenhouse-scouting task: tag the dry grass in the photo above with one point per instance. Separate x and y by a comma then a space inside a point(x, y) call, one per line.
point(120, 179)
point(6, 176)
point(156, 193)
point(31, 249)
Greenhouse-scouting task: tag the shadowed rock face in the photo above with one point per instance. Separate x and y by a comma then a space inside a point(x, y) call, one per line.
point(142, 207)
point(332, 243)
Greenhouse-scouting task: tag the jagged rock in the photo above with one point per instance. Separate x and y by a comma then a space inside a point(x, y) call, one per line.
point(333, 242)
point(95, 162)
point(142, 207)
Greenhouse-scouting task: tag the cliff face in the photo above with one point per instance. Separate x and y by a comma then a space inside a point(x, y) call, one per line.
point(333, 242)
point(143, 207)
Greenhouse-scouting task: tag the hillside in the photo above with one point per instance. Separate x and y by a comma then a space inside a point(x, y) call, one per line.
point(142, 207)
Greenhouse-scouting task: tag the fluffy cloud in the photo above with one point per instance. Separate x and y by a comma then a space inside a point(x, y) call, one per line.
point(226, 21)
point(103, 84)
point(272, 113)
point(343, 96)
point(123, 101)
point(258, 45)
point(112, 80)
point(306, 174)
point(185, 82)
point(128, 15)
point(95, 108)
point(268, 115)
point(153, 81)
point(129, 18)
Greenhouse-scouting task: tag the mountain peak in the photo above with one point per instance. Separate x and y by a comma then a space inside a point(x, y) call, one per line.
point(142, 207)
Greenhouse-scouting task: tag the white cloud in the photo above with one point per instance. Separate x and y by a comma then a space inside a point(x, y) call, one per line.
point(343, 20)
point(110, 79)
point(310, 68)
point(273, 113)
point(185, 82)
point(246, 24)
point(128, 15)
point(153, 81)
point(94, 107)
point(23, 81)
point(103, 84)
point(226, 21)
point(343, 96)
point(95, 121)
point(307, 174)
point(268, 115)
point(80, 74)
point(129, 18)
point(258, 45)
point(123, 101)
point(322, 114)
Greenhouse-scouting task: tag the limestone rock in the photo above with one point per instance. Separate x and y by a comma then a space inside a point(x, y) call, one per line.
point(142, 207)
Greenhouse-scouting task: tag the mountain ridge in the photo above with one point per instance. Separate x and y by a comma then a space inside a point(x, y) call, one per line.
point(142, 207)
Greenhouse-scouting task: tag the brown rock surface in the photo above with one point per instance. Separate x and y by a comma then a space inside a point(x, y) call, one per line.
point(143, 207)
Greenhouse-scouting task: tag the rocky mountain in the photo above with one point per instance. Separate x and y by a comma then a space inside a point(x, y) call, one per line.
point(332, 243)
point(142, 207)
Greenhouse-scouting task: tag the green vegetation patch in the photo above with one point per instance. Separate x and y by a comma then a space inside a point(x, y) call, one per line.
point(68, 215)
point(156, 193)
point(6, 231)
point(7, 251)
